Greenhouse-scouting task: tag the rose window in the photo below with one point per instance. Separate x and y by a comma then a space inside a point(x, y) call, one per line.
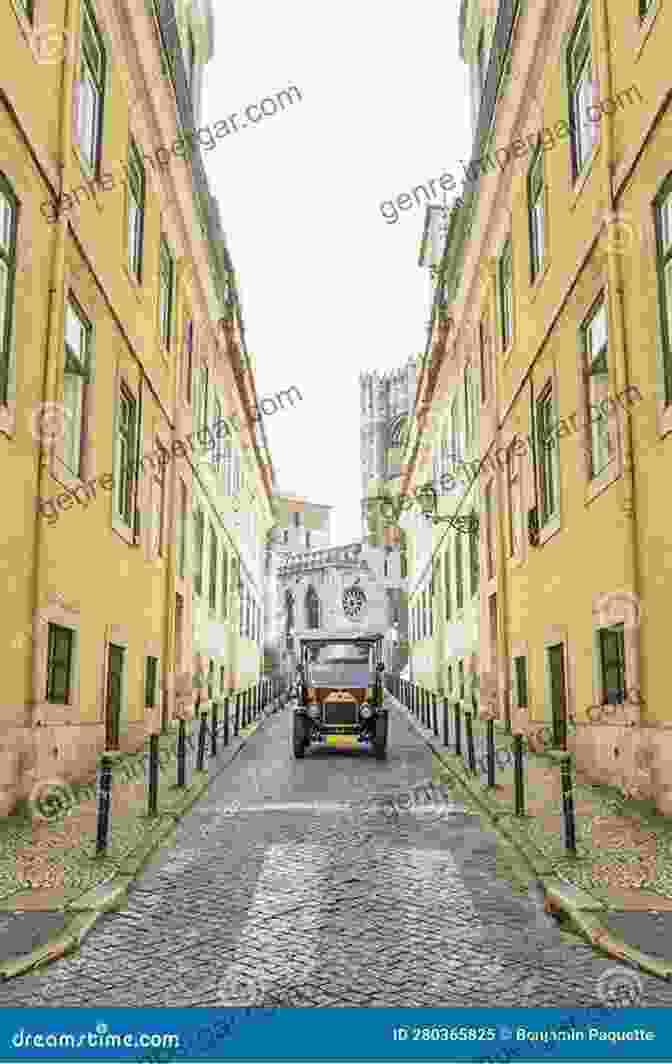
point(354, 601)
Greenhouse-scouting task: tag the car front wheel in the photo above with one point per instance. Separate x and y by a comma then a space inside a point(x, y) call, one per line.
point(300, 736)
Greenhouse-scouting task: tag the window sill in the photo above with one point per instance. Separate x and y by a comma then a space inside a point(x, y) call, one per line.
point(644, 26)
point(550, 529)
point(539, 280)
point(582, 178)
point(134, 283)
point(596, 485)
point(123, 530)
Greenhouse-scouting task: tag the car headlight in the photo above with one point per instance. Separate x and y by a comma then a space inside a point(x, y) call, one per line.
point(314, 711)
point(365, 711)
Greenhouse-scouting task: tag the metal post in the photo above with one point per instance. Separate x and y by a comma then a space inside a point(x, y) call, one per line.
point(458, 730)
point(181, 754)
point(153, 792)
point(568, 804)
point(200, 758)
point(213, 733)
point(518, 775)
point(471, 753)
point(227, 712)
point(491, 752)
point(236, 719)
point(104, 803)
point(435, 719)
point(445, 722)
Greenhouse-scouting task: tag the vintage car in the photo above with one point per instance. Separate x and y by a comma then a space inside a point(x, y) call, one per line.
point(340, 694)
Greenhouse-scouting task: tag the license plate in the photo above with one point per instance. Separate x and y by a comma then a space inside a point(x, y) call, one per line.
point(345, 740)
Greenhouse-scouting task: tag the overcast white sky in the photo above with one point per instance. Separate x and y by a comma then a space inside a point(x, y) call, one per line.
point(328, 287)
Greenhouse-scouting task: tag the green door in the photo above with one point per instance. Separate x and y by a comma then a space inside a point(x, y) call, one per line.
point(115, 671)
point(556, 657)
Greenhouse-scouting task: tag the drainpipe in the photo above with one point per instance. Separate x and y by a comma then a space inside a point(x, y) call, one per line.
point(56, 311)
point(617, 316)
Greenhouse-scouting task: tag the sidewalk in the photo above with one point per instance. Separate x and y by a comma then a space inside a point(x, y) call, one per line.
point(619, 885)
point(51, 882)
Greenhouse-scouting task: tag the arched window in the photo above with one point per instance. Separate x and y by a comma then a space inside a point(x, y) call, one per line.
point(312, 609)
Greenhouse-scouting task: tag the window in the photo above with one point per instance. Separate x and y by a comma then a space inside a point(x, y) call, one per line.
point(151, 671)
point(75, 380)
point(182, 530)
point(211, 680)
point(547, 456)
point(297, 518)
point(594, 332)
point(136, 211)
point(480, 61)
point(191, 56)
point(644, 7)
point(663, 224)
point(450, 679)
point(28, 8)
point(489, 538)
point(459, 572)
point(159, 499)
point(506, 295)
point(484, 356)
point(446, 583)
point(165, 293)
point(456, 437)
point(199, 535)
point(125, 453)
point(520, 668)
point(474, 562)
point(513, 501)
point(187, 359)
point(222, 674)
point(535, 211)
point(213, 569)
point(218, 449)
point(579, 80)
point(89, 91)
point(612, 661)
point(8, 224)
point(225, 583)
point(312, 609)
point(59, 664)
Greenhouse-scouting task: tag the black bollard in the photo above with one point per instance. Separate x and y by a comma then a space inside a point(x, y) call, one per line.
point(226, 721)
point(446, 722)
point(568, 804)
point(182, 754)
point(435, 719)
point(213, 734)
point(200, 758)
point(153, 790)
point(518, 775)
point(491, 752)
point(471, 753)
point(458, 730)
point(104, 804)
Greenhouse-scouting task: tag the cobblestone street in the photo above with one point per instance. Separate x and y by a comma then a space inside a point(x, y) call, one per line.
point(290, 884)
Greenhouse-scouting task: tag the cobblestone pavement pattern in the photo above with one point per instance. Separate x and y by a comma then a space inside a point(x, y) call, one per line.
point(289, 885)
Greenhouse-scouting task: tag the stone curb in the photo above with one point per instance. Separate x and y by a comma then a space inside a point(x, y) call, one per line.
point(560, 895)
point(112, 893)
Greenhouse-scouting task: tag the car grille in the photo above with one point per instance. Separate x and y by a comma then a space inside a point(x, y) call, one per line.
point(340, 712)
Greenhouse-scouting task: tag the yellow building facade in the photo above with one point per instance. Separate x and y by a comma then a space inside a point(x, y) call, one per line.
point(122, 343)
point(555, 283)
